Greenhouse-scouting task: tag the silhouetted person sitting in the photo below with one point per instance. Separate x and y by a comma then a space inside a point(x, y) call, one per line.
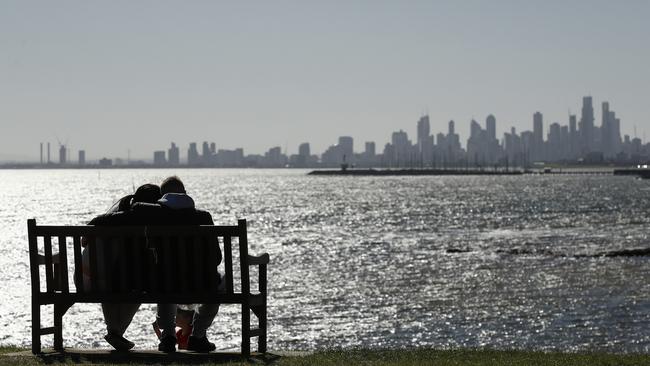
point(175, 199)
point(118, 316)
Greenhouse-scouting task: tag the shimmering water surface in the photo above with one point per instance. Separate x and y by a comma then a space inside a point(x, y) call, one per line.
point(500, 262)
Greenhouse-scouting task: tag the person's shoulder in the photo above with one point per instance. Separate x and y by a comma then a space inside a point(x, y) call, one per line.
point(203, 217)
point(142, 207)
point(111, 218)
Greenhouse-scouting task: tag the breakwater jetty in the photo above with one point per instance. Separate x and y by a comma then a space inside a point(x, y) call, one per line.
point(392, 172)
point(642, 173)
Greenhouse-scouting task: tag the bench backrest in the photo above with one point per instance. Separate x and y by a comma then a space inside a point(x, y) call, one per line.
point(137, 259)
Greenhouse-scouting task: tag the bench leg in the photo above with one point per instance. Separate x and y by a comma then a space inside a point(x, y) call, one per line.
point(58, 327)
point(59, 310)
point(261, 341)
point(36, 326)
point(245, 330)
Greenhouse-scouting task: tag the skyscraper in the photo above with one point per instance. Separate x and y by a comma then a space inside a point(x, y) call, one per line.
point(424, 128)
point(492, 144)
point(425, 141)
point(346, 144)
point(401, 149)
point(452, 148)
point(304, 150)
point(605, 134)
point(491, 127)
point(538, 137)
point(587, 126)
point(173, 155)
point(573, 137)
point(206, 154)
point(554, 142)
point(192, 155)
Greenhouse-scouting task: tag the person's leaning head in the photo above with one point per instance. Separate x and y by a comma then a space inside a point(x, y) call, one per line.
point(172, 184)
point(147, 193)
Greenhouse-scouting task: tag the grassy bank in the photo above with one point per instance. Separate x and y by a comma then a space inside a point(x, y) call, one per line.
point(387, 357)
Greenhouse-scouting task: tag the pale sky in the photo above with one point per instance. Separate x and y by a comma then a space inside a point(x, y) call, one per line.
point(113, 76)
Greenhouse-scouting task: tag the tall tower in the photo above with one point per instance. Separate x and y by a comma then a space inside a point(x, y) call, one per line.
point(587, 125)
point(424, 147)
point(605, 130)
point(491, 127)
point(174, 155)
point(573, 137)
point(424, 129)
point(538, 136)
point(192, 155)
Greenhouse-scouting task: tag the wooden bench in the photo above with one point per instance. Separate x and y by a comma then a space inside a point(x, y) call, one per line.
point(159, 264)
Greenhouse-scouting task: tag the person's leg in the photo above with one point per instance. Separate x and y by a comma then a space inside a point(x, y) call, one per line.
point(167, 320)
point(203, 317)
point(118, 316)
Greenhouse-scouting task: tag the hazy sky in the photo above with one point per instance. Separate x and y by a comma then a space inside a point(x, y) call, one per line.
point(109, 76)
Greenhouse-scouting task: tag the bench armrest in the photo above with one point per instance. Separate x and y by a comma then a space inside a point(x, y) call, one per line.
point(262, 259)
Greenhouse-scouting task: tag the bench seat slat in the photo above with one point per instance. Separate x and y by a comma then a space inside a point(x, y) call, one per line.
point(146, 298)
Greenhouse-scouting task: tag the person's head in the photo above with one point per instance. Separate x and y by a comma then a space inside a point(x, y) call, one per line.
point(172, 184)
point(147, 193)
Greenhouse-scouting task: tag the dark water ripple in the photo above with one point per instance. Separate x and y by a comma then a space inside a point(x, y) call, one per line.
point(501, 262)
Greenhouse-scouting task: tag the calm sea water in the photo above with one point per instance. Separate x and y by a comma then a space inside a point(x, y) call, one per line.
point(382, 262)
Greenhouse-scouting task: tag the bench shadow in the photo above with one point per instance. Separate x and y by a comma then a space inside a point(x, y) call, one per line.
point(147, 357)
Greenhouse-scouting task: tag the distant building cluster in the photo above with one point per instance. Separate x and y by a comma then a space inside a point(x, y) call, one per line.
point(580, 141)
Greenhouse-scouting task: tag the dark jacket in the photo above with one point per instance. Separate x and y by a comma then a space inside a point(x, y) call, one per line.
point(155, 215)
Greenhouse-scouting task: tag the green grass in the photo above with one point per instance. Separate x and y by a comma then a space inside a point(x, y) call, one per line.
point(459, 357)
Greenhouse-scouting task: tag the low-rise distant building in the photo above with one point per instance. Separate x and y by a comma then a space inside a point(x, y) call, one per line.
point(104, 162)
point(159, 158)
point(82, 157)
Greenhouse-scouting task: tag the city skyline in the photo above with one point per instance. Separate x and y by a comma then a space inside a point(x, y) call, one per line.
point(111, 77)
point(579, 140)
